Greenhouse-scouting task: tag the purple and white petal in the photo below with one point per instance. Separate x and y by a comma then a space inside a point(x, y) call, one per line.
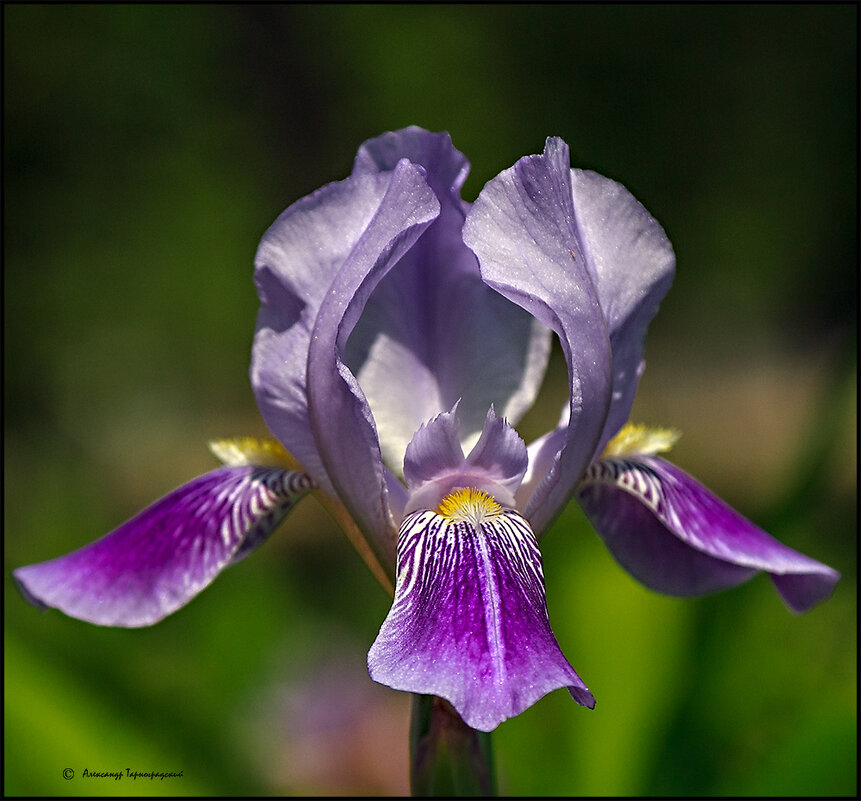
point(342, 425)
point(675, 536)
point(469, 620)
point(631, 263)
point(523, 230)
point(159, 560)
point(432, 331)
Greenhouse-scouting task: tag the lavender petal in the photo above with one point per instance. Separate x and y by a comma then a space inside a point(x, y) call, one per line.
point(631, 263)
point(432, 332)
point(297, 262)
point(342, 424)
point(434, 463)
point(523, 230)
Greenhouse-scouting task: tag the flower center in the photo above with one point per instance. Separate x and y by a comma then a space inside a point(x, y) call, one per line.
point(469, 505)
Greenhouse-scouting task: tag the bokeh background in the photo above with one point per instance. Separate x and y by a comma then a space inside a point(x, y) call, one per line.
point(148, 147)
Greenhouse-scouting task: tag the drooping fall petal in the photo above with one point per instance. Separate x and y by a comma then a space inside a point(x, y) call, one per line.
point(677, 537)
point(469, 620)
point(159, 560)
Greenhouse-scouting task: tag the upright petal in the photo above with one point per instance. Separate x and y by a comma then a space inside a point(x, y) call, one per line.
point(631, 263)
point(676, 537)
point(500, 453)
point(523, 230)
point(432, 332)
point(446, 167)
point(158, 561)
point(434, 464)
point(469, 620)
point(434, 449)
point(297, 261)
point(341, 421)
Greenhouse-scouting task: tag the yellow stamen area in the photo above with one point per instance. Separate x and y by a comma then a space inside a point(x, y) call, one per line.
point(468, 504)
point(241, 451)
point(638, 438)
point(238, 451)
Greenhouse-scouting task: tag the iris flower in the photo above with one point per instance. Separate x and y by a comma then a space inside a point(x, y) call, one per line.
point(401, 336)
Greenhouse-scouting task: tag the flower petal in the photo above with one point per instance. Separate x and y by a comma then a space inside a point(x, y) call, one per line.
point(432, 332)
point(434, 449)
point(469, 620)
point(341, 420)
point(631, 263)
point(446, 167)
point(523, 230)
point(434, 463)
point(676, 537)
point(158, 561)
point(500, 453)
point(298, 259)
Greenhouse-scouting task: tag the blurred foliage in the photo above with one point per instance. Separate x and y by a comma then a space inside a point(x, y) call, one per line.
point(147, 148)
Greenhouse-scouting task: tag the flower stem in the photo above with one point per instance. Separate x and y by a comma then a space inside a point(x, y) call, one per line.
point(447, 757)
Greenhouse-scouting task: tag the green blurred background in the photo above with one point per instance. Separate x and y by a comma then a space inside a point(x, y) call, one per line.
point(147, 148)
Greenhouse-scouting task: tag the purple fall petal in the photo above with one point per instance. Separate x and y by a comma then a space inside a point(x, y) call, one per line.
point(158, 561)
point(523, 230)
point(676, 537)
point(469, 620)
point(432, 331)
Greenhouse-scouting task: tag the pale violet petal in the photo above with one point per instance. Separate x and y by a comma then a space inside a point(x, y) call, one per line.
point(523, 230)
point(341, 421)
point(297, 262)
point(500, 453)
point(432, 332)
point(435, 464)
point(434, 449)
point(632, 263)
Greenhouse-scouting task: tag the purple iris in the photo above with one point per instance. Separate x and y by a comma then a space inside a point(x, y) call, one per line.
point(402, 334)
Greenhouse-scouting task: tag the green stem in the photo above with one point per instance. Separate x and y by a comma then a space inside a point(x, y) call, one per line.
point(447, 758)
